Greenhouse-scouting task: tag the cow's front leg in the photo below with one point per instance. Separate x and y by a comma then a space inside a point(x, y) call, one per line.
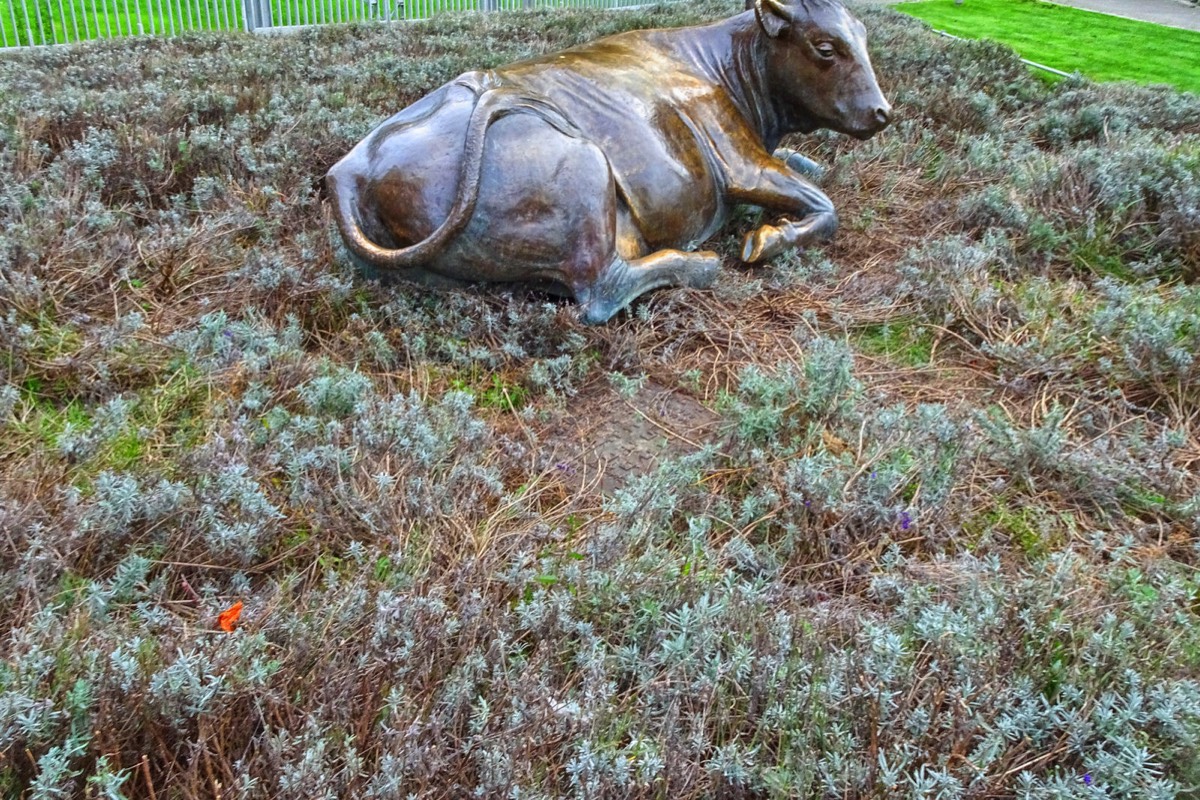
point(808, 214)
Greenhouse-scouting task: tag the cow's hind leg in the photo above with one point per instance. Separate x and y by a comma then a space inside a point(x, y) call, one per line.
point(624, 280)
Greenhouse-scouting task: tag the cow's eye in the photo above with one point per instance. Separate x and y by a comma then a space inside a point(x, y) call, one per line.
point(826, 49)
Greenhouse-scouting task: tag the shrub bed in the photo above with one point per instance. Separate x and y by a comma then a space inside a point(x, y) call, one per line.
point(943, 545)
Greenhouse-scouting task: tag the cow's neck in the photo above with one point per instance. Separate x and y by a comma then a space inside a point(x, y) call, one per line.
point(732, 53)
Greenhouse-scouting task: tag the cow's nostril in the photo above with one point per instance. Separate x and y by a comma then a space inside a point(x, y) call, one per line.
point(883, 115)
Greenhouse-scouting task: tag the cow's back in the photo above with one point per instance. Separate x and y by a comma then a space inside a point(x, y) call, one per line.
point(636, 100)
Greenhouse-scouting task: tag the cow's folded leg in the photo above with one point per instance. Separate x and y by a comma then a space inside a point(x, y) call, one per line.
point(768, 241)
point(623, 281)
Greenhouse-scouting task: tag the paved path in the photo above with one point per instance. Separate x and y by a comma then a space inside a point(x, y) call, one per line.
point(1176, 13)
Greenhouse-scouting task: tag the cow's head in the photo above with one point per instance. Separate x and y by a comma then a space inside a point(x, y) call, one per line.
point(818, 67)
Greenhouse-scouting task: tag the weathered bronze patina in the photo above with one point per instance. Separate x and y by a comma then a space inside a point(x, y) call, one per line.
point(598, 169)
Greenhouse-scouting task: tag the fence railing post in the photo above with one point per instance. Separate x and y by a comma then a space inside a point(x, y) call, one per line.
point(257, 13)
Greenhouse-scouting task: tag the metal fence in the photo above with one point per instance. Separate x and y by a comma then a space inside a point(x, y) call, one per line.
point(43, 22)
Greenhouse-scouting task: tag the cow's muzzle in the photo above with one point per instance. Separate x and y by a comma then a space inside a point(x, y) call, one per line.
point(880, 117)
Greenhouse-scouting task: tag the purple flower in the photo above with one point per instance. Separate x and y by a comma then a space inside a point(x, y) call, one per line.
point(1087, 779)
point(905, 520)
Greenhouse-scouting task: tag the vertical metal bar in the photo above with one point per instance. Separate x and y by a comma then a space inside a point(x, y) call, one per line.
point(54, 23)
point(12, 13)
point(83, 12)
point(170, 16)
point(38, 11)
point(62, 15)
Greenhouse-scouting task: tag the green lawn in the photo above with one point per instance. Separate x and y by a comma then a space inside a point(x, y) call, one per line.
point(25, 22)
point(1102, 47)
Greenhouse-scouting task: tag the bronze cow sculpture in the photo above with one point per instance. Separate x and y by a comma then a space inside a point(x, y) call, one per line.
point(598, 169)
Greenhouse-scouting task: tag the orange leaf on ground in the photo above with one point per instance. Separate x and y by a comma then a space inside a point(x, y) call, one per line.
point(229, 617)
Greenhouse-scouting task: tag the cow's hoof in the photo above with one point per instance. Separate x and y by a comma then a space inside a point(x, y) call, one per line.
point(596, 312)
point(762, 243)
point(801, 164)
point(702, 275)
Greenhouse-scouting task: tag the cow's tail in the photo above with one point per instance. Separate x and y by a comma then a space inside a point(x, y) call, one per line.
point(493, 103)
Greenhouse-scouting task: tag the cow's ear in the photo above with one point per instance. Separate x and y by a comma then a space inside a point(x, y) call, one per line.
point(772, 16)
